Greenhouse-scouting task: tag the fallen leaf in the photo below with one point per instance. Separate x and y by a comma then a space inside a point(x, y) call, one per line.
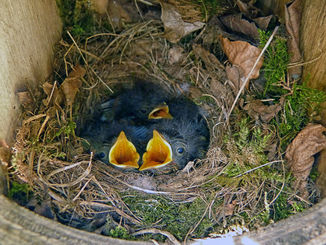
point(236, 23)
point(175, 55)
point(100, 6)
point(174, 26)
point(53, 94)
point(257, 110)
point(263, 22)
point(5, 153)
point(25, 99)
point(209, 59)
point(72, 83)
point(292, 24)
point(244, 55)
point(229, 208)
point(248, 9)
point(117, 14)
point(234, 74)
point(300, 153)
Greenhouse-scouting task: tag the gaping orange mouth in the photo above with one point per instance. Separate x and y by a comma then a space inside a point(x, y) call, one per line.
point(158, 153)
point(123, 153)
point(159, 112)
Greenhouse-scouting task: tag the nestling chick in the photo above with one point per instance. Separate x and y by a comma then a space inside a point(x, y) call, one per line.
point(187, 135)
point(137, 105)
point(116, 143)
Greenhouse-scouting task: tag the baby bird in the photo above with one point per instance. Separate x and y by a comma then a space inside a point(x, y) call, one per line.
point(116, 143)
point(137, 105)
point(148, 123)
point(180, 140)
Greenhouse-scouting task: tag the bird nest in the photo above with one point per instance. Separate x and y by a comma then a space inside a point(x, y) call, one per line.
point(205, 197)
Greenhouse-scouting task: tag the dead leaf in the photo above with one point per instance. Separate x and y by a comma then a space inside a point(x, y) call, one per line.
point(248, 8)
point(117, 14)
point(237, 23)
point(5, 153)
point(53, 94)
point(174, 26)
point(263, 22)
point(72, 83)
point(244, 55)
point(292, 23)
point(234, 74)
point(257, 110)
point(229, 208)
point(175, 55)
point(25, 99)
point(300, 153)
point(211, 62)
point(100, 6)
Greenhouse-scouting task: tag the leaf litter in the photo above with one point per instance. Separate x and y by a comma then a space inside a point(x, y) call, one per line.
point(210, 196)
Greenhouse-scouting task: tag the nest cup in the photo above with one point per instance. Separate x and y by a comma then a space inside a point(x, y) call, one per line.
point(95, 179)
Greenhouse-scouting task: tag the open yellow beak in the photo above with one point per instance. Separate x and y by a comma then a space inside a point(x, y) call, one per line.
point(123, 153)
point(158, 153)
point(159, 112)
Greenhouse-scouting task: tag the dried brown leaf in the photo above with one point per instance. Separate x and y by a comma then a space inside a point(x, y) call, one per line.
point(236, 23)
point(53, 94)
point(234, 74)
point(25, 99)
point(210, 60)
point(100, 6)
point(175, 55)
point(292, 23)
point(244, 55)
point(117, 14)
point(248, 8)
point(257, 110)
point(229, 208)
point(174, 26)
point(300, 153)
point(72, 83)
point(5, 153)
point(263, 22)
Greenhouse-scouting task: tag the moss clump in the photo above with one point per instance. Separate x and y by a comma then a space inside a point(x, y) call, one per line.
point(20, 192)
point(77, 17)
point(176, 218)
point(275, 63)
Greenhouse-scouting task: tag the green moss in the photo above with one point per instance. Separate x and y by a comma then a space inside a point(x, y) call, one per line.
point(20, 192)
point(77, 17)
point(275, 63)
point(119, 232)
point(176, 218)
point(299, 98)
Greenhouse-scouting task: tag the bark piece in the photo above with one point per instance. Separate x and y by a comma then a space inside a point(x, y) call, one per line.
point(292, 23)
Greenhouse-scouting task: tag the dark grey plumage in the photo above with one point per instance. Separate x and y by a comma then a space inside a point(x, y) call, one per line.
point(102, 135)
point(128, 111)
point(187, 132)
point(133, 105)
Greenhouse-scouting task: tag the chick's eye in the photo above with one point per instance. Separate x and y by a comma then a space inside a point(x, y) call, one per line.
point(101, 155)
point(180, 150)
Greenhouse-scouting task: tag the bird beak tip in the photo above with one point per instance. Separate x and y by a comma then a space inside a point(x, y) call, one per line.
point(159, 112)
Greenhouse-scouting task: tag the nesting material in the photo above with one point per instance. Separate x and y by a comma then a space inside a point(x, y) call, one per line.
point(50, 157)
